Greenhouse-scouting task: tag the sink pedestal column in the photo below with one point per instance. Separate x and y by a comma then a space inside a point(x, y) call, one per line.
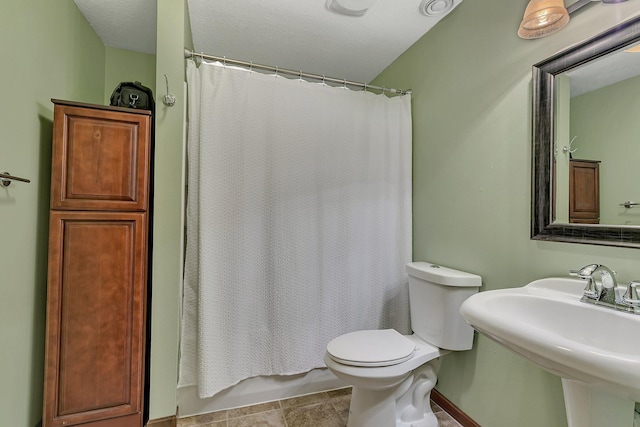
point(589, 407)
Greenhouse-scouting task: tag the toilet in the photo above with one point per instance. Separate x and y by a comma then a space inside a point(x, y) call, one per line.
point(392, 375)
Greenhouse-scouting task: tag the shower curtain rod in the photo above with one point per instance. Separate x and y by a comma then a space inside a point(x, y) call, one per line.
point(191, 54)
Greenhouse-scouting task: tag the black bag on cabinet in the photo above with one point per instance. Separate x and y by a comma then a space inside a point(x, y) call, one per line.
point(132, 95)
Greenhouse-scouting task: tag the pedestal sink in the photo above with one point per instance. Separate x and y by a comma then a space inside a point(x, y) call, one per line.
point(594, 349)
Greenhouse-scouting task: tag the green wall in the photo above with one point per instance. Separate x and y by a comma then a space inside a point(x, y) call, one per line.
point(607, 126)
point(471, 82)
point(127, 66)
point(48, 51)
point(169, 186)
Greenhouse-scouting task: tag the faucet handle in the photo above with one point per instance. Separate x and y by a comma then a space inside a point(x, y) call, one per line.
point(631, 296)
point(585, 272)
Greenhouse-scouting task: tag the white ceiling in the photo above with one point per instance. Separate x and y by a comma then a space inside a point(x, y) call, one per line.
point(300, 35)
point(605, 71)
point(306, 35)
point(125, 24)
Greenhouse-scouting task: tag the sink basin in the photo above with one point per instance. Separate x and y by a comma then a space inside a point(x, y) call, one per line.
point(592, 348)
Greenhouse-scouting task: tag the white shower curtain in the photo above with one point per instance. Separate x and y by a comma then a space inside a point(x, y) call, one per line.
point(299, 222)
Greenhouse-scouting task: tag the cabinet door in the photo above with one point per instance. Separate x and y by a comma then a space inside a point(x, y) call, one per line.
point(100, 159)
point(584, 192)
point(95, 319)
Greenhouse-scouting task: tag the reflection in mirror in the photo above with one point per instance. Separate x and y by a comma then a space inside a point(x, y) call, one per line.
point(597, 144)
point(586, 142)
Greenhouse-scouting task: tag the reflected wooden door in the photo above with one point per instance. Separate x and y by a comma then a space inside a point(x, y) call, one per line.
point(584, 192)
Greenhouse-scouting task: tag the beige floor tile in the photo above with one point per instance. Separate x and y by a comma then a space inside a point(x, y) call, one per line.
point(341, 405)
point(262, 419)
point(214, 424)
point(325, 409)
point(253, 409)
point(340, 392)
point(204, 419)
point(316, 415)
point(304, 400)
point(446, 420)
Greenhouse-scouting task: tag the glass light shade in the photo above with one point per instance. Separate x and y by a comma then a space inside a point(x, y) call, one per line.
point(633, 49)
point(543, 17)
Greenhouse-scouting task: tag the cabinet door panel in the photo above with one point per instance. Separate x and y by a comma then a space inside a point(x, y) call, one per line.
point(100, 159)
point(584, 194)
point(95, 312)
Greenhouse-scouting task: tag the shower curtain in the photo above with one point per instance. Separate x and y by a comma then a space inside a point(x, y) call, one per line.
point(298, 222)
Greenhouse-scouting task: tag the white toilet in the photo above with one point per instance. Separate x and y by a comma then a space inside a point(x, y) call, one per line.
point(392, 374)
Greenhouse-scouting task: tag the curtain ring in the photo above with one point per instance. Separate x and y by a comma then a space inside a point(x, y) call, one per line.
point(344, 83)
point(251, 67)
point(365, 87)
point(323, 80)
point(224, 61)
point(276, 71)
point(300, 75)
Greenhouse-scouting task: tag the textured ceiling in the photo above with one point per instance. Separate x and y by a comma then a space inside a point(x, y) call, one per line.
point(607, 70)
point(125, 24)
point(305, 35)
point(300, 35)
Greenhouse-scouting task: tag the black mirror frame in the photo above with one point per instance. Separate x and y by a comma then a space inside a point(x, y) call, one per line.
point(542, 226)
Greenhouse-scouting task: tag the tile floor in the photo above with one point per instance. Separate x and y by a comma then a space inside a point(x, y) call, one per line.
point(326, 409)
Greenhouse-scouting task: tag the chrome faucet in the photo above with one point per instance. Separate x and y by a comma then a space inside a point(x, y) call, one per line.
point(606, 292)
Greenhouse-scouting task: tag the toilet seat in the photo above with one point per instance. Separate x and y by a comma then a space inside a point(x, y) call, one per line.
point(371, 348)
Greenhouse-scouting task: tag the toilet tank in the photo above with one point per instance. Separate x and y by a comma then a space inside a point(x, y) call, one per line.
point(435, 296)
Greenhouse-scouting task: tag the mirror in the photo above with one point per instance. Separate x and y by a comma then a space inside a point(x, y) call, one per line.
point(573, 94)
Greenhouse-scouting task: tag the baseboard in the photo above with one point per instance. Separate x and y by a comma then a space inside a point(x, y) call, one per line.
point(452, 409)
point(163, 422)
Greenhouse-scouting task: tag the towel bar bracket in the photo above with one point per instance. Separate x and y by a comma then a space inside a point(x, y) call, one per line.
point(6, 178)
point(629, 204)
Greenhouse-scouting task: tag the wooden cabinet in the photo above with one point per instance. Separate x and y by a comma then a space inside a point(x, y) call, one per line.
point(98, 256)
point(584, 191)
point(100, 159)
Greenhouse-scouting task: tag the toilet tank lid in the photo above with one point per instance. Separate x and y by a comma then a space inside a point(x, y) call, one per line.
point(443, 275)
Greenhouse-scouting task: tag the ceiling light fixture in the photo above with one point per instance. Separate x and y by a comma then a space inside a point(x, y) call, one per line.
point(543, 17)
point(350, 7)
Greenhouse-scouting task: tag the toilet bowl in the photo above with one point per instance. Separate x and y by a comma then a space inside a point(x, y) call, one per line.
point(392, 375)
point(376, 389)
